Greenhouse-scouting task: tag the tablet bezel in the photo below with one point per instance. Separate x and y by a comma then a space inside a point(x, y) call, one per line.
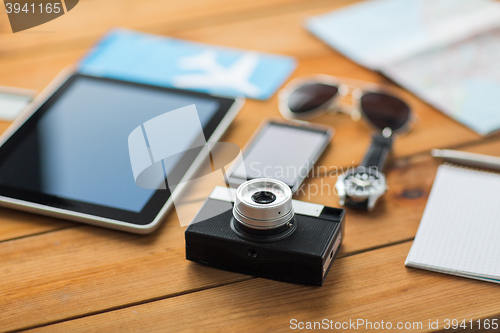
point(157, 206)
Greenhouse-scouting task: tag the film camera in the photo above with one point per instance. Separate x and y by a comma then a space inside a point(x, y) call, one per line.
point(266, 233)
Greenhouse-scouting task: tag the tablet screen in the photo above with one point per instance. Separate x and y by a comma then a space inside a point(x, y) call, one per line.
point(75, 147)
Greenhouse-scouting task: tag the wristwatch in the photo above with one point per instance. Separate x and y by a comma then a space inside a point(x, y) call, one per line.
point(362, 186)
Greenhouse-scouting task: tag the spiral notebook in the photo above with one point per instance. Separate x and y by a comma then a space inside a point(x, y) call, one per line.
point(459, 233)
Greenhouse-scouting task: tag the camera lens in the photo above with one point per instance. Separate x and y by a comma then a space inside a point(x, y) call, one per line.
point(263, 210)
point(263, 197)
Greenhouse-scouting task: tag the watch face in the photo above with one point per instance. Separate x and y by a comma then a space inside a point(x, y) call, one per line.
point(363, 183)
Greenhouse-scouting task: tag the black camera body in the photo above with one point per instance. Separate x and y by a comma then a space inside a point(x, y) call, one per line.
point(304, 255)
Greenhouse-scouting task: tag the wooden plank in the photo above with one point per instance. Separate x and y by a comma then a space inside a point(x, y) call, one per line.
point(91, 19)
point(16, 224)
point(282, 33)
point(206, 21)
point(373, 286)
point(80, 271)
point(37, 71)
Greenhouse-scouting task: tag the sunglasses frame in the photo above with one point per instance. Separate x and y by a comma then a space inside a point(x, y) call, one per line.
point(355, 88)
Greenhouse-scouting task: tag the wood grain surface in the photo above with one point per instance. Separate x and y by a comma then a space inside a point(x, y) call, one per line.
point(62, 276)
point(374, 286)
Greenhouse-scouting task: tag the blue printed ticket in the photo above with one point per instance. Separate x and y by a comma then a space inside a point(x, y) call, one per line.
point(139, 57)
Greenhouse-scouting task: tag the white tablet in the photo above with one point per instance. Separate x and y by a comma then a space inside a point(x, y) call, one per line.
point(67, 154)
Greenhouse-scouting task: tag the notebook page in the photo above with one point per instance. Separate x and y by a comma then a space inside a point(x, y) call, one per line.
point(460, 229)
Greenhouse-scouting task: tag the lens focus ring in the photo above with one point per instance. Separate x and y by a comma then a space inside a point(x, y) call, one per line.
point(263, 204)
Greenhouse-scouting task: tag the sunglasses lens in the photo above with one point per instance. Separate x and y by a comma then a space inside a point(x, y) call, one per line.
point(385, 110)
point(310, 96)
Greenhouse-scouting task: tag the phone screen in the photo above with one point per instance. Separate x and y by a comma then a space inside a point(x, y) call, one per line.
point(283, 152)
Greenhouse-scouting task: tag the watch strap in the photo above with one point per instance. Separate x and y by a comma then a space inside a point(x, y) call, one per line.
point(377, 154)
point(356, 204)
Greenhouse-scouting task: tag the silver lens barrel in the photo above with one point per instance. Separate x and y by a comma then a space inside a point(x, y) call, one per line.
point(263, 204)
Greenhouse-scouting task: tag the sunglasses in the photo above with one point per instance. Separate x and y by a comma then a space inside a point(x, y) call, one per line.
point(308, 97)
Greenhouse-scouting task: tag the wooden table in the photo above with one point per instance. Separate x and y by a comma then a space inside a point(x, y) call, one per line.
point(58, 276)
